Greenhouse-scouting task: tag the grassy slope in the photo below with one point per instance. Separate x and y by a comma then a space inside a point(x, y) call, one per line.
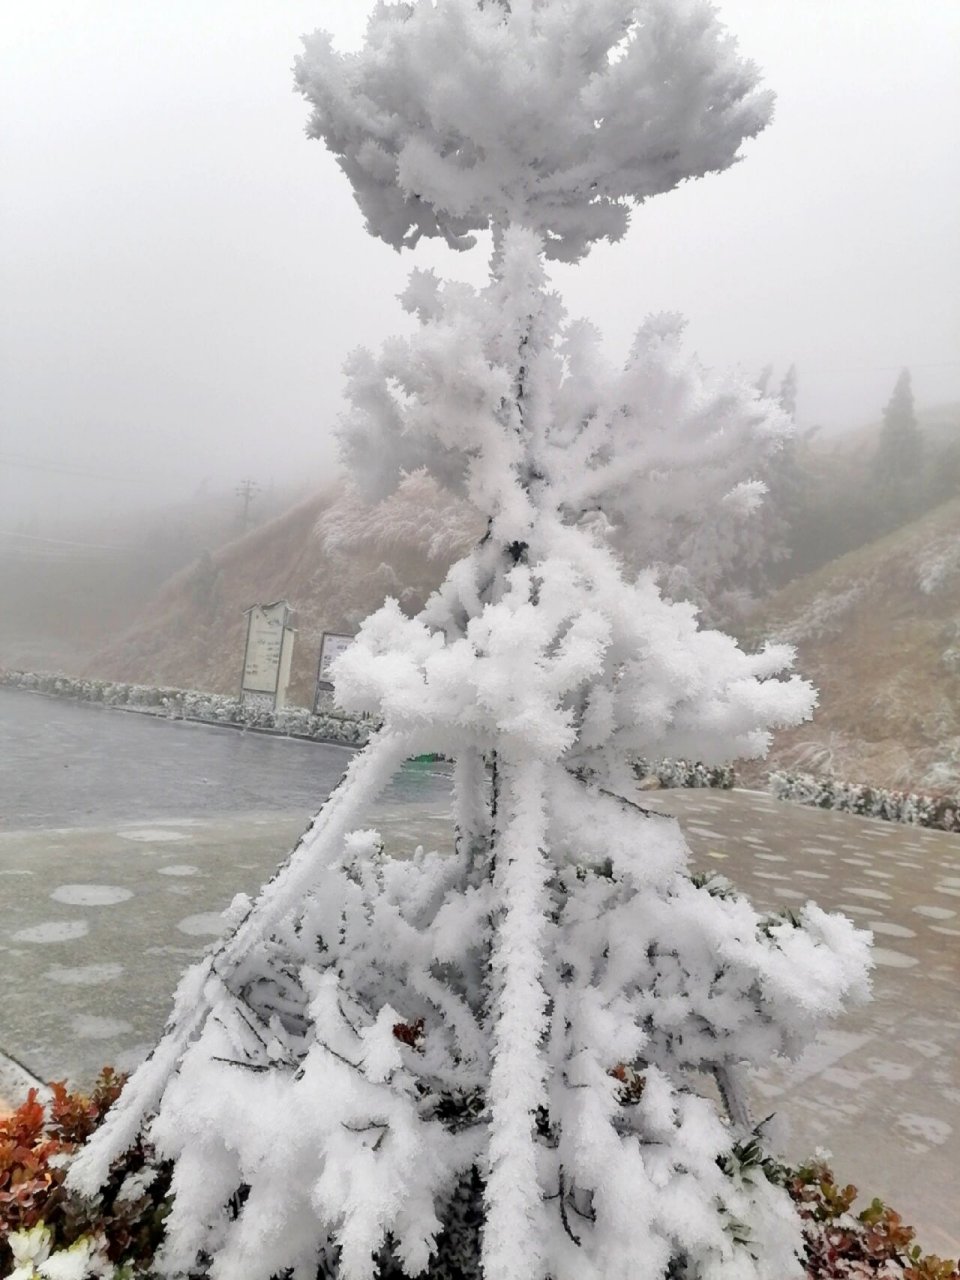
point(333, 559)
point(877, 645)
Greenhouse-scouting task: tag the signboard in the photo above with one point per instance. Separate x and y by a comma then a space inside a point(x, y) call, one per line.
point(268, 654)
point(331, 646)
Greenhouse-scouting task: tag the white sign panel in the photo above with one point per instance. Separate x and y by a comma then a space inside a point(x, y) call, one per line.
point(286, 660)
point(331, 646)
point(267, 656)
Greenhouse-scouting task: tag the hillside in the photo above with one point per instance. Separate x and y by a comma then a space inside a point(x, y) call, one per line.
point(938, 423)
point(70, 583)
point(878, 631)
point(332, 557)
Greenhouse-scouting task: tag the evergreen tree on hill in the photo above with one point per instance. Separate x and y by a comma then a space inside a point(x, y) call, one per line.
point(898, 461)
point(788, 392)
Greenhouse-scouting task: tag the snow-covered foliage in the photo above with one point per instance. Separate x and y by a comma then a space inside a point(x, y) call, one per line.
point(505, 1058)
point(661, 453)
point(686, 773)
point(539, 1003)
point(329, 725)
point(418, 517)
point(824, 615)
point(938, 566)
point(47, 1235)
point(555, 114)
point(85, 1259)
point(939, 812)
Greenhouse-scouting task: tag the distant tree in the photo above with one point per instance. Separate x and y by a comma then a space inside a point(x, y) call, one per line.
point(788, 392)
point(763, 382)
point(898, 461)
point(900, 445)
point(206, 586)
point(747, 558)
point(942, 472)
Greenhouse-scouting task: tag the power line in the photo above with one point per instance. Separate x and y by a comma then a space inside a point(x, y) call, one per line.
point(247, 490)
point(69, 469)
point(60, 542)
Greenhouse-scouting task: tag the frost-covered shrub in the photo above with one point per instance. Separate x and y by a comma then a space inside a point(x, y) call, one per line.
point(839, 1244)
point(938, 567)
point(823, 616)
point(47, 1234)
point(555, 117)
point(522, 1056)
point(939, 812)
point(683, 773)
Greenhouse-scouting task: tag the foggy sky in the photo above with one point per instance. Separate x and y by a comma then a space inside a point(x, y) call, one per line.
point(182, 273)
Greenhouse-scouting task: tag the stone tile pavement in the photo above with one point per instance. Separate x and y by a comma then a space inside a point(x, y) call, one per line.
point(97, 925)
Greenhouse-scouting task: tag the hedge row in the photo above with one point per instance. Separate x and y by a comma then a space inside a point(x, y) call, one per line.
point(941, 813)
point(187, 704)
point(683, 773)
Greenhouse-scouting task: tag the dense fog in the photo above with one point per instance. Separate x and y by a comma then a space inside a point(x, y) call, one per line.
point(184, 274)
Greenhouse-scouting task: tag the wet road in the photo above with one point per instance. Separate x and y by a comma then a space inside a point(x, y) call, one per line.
point(71, 764)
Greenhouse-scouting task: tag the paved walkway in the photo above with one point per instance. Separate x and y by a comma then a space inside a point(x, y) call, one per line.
point(15, 1083)
point(881, 1088)
point(97, 925)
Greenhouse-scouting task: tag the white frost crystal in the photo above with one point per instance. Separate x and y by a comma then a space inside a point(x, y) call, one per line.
point(555, 114)
point(85, 1259)
point(494, 1059)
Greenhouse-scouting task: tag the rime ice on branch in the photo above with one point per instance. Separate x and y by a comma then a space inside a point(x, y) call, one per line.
point(534, 1026)
point(548, 114)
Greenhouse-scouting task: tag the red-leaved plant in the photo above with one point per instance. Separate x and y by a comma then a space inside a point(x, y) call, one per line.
point(843, 1246)
point(38, 1140)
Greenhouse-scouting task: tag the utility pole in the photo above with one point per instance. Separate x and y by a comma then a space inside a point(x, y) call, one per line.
point(247, 490)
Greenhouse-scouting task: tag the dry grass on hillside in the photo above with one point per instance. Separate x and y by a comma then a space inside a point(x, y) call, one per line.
point(335, 560)
point(878, 631)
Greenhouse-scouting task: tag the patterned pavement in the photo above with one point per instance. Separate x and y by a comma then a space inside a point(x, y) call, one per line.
point(98, 923)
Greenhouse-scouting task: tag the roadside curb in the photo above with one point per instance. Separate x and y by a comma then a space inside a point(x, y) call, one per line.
point(320, 724)
point(155, 714)
point(16, 1082)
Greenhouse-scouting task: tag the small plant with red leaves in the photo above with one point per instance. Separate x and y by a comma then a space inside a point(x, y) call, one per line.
point(410, 1033)
point(37, 1142)
point(841, 1245)
point(631, 1082)
point(119, 1233)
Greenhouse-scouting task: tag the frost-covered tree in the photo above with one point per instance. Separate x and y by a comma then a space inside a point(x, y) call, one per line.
point(788, 392)
point(898, 457)
point(898, 488)
point(899, 447)
point(523, 1056)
